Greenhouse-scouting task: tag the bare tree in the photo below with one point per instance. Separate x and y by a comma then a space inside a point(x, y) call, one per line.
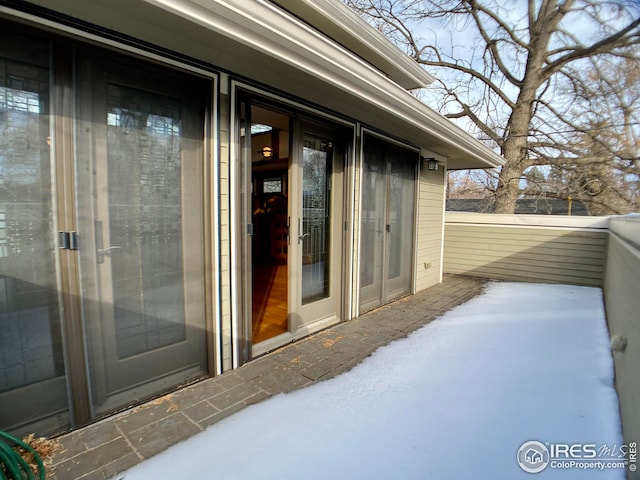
point(521, 82)
point(469, 184)
point(608, 149)
point(600, 165)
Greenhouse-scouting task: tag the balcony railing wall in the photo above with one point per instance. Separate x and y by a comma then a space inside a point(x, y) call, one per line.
point(598, 251)
point(622, 300)
point(528, 248)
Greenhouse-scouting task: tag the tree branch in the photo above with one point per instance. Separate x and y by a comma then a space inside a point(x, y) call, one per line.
point(605, 45)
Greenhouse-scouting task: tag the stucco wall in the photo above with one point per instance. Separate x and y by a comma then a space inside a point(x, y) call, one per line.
point(533, 248)
point(622, 299)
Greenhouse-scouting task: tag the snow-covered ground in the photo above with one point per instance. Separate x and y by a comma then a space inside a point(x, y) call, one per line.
point(456, 399)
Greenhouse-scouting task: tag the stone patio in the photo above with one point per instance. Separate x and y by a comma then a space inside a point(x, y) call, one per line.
point(119, 442)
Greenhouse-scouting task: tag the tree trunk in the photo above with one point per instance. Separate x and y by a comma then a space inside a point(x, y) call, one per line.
point(508, 188)
point(514, 150)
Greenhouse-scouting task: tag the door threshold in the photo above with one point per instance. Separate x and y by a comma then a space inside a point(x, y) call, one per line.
point(273, 343)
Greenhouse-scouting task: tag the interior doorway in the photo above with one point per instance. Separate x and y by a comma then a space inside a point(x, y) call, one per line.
point(270, 144)
point(292, 201)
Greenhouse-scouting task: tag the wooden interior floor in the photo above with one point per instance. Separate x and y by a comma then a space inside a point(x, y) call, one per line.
point(270, 309)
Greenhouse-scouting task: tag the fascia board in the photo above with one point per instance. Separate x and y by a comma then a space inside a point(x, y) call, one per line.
point(270, 30)
point(336, 20)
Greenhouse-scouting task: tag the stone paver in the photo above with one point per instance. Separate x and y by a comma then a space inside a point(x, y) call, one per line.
point(115, 444)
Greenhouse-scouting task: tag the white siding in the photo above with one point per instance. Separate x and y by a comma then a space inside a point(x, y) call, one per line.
point(622, 300)
point(225, 241)
point(525, 252)
point(429, 224)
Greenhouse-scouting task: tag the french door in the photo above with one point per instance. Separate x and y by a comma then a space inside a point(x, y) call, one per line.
point(140, 211)
point(387, 219)
point(316, 213)
point(297, 214)
point(101, 231)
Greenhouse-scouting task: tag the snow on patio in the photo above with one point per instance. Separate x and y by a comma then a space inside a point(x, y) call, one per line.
point(456, 399)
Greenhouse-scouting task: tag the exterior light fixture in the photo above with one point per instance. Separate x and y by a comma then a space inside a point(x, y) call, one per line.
point(432, 163)
point(267, 152)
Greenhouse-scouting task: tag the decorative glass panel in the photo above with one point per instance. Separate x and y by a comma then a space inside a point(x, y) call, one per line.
point(145, 219)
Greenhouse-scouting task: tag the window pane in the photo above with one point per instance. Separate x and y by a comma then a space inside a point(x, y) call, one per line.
point(373, 223)
point(30, 331)
point(401, 200)
point(316, 212)
point(144, 148)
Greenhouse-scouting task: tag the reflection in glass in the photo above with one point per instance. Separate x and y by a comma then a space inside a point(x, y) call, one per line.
point(316, 212)
point(30, 336)
point(401, 200)
point(144, 148)
point(372, 220)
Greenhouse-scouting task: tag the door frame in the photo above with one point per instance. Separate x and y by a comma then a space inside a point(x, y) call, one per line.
point(243, 349)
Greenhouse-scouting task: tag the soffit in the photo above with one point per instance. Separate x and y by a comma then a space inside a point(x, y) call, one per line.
point(260, 41)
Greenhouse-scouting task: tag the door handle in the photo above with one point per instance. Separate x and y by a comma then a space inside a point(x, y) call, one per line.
point(303, 235)
point(107, 251)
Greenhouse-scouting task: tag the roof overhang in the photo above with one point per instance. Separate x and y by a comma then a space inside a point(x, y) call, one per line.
point(261, 41)
point(337, 21)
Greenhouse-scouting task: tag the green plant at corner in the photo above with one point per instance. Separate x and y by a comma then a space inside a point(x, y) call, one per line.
point(12, 465)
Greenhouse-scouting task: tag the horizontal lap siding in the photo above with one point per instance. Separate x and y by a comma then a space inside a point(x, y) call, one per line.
point(526, 253)
point(622, 300)
point(225, 243)
point(429, 223)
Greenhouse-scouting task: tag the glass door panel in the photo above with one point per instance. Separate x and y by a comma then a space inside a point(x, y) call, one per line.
point(317, 209)
point(140, 215)
point(144, 212)
point(290, 193)
point(32, 372)
point(401, 176)
point(317, 158)
point(374, 186)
